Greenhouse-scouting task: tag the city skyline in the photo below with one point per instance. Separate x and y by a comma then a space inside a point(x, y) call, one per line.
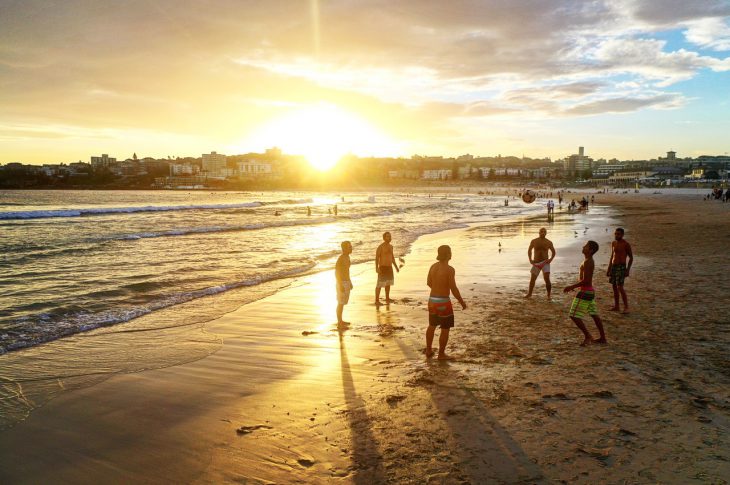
point(628, 78)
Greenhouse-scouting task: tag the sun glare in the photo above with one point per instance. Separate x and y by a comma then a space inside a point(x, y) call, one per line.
point(324, 133)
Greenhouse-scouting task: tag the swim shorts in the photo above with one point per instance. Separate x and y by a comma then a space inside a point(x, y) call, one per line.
point(618, 274)
point(440, 312)
point(343, 292)
point(584, 303)
point(385, 276)
point(543, 266)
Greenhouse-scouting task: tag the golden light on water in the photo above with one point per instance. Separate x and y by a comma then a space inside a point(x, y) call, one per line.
point(324, 133)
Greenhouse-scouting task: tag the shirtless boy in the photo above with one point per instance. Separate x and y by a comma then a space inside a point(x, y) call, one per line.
point(537, 253)
point(442, 281)
point(384, 264)
point(584, 302)
point(342, 278)
point(618, 269)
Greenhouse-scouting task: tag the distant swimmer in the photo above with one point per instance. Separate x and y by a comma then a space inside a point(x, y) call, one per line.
point(540, 260)
point(342, 280)
point(618, 269)
point(584, 302)
point(309, 211)
point(277, 213)
point(384, 264)
point(442, 281)
point(335, 209)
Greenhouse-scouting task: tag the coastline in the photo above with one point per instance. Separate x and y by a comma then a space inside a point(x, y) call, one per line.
point(522, 403)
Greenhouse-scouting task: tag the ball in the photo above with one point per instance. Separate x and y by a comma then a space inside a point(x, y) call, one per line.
point(529, 197)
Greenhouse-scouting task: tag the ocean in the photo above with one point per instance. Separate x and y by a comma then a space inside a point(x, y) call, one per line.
point(72, 261)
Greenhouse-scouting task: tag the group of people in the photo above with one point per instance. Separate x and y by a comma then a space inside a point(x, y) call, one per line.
point(442, 281)
point(718, 194)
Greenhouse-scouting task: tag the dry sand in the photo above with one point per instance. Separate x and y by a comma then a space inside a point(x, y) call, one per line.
point(523, 404)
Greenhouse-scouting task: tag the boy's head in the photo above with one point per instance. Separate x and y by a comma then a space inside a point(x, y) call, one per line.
point(590, 248)
point(444, 253)
point(619, 233)
point(543, 232)
point(386, 237)
point(346, 247)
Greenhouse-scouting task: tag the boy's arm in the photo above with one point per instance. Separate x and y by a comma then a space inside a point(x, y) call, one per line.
point(428, 278)
point(392, 258)
point(630, 256)
point(529, 250)
point(610, 261)
point(338, 270)
point(552, 250)
point(377, 259)
point(454, 289)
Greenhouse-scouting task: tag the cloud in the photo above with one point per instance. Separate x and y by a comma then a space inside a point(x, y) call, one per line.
point(623, 105)
point(647, 58)
point(417, 67)
point(710, 33)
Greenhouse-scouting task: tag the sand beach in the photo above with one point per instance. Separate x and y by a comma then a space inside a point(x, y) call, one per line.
point(274, 392)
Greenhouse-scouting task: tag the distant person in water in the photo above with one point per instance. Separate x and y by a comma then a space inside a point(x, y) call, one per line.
point(619, 266)
point(342, 278)
point(442, 281)
point(335, 209)
point(309, 211)
point(584, 302)
point(384, 264)
point(537, 253)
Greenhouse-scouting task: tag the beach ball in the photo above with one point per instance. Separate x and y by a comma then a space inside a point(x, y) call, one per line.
point(528, 196)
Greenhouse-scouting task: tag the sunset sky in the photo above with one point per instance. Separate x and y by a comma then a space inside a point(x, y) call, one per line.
point(624, 78)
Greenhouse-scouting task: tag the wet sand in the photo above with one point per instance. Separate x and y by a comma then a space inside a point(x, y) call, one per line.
point(288, 398)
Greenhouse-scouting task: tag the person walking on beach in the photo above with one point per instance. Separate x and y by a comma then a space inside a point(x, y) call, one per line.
point(619, 266)
point(342, 278)
point(384, 264)
point(442, 281)
point(584, 302)
point(537, 253)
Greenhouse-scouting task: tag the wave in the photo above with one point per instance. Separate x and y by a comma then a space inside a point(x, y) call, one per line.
point(93, 211)
point(244, 227)
point(66, 323)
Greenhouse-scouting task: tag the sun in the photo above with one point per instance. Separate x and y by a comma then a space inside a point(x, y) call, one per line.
point(324, 133)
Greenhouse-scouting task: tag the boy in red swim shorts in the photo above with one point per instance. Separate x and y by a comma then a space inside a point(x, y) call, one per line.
point(442, 281)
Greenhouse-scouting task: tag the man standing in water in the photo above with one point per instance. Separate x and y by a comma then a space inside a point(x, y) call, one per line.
point(342, 278)
point(384, 264)
point(540, 260)
point(618, 269)
point(442, 281)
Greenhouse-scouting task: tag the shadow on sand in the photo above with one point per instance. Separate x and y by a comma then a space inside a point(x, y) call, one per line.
point(367, 462)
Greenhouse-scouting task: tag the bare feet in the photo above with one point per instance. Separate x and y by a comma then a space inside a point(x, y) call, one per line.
point(529, 295)
point(429, 353)
point(626, 311)
point(586, 342)
point(343, 323)
point(446, 357)
point(613, 309)
point(377, 303)
point(600, 341)
point(389, 300)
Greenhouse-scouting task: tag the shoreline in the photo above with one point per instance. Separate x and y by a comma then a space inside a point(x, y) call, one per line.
point(365, 404)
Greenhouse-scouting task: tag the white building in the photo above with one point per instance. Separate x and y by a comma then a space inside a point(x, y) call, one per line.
point(214, 163)
point(183, 169)
point(102, 161)
point(254, 168)
point(440, 174)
